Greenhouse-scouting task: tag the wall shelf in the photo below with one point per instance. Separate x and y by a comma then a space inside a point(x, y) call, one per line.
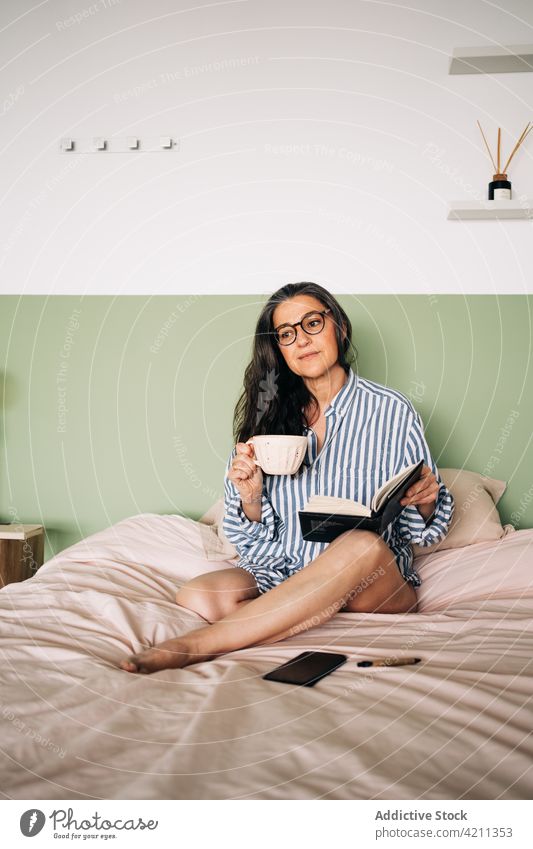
point(492, 60)
point(464, 209)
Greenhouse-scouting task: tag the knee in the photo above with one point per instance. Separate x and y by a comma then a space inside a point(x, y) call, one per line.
point(352, 545)
point(356, 537)
point(198, 600)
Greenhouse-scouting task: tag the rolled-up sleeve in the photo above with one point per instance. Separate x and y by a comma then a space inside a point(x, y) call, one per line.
point(238, 528)
point(412, 527)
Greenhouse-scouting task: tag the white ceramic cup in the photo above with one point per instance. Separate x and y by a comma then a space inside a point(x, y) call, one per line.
point(279, 454)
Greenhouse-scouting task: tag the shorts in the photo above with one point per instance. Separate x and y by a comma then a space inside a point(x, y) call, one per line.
point(268, 577)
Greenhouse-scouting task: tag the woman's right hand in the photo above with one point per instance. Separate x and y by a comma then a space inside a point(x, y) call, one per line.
point(247, 477)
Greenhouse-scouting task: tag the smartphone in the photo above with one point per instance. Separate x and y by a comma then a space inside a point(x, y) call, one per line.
point(306, 668)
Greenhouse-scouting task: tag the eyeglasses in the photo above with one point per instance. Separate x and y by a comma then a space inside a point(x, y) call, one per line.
point(311, 323)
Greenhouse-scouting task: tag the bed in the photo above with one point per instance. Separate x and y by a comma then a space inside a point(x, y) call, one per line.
point(455, 726)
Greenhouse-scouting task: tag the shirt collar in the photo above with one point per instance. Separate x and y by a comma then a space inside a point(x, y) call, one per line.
point(344, 397)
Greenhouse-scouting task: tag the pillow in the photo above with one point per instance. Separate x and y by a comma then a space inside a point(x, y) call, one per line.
point(475, 518)
point(215, 542)
point(497, 570)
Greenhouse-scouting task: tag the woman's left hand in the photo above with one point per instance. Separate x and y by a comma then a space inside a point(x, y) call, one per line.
point(423, 493)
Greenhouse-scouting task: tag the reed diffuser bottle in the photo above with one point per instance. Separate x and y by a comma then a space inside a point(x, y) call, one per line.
point(500, 186)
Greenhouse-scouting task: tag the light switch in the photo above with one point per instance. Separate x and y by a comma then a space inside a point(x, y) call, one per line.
point(99, 143)
point(67, 144)
point(133, 143)
point(165, 141)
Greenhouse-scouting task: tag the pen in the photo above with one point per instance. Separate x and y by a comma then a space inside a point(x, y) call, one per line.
point(390, 661)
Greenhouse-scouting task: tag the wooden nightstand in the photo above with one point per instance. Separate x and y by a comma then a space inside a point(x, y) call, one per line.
point(21, 552)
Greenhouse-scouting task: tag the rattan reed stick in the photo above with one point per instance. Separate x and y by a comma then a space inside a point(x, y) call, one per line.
point(487, 146)
point(519, 142)
point(503, 174)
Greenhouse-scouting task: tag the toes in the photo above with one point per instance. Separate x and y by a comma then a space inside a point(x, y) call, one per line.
point(154, 660)
point(130, 665)
point(143, 663)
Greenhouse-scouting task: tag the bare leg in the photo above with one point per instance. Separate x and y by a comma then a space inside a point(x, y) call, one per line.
point(310, 597)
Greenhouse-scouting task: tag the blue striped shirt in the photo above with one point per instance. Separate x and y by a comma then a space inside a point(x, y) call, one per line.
point(372, 432)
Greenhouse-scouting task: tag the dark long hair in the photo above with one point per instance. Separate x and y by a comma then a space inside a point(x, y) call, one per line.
point(274, 396)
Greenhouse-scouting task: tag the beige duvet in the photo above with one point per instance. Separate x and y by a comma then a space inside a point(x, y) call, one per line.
point(456, 726)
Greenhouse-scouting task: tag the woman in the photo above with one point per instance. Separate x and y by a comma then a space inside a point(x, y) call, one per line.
point(360, 434)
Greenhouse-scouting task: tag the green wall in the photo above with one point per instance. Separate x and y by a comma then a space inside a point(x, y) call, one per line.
point(149, 385)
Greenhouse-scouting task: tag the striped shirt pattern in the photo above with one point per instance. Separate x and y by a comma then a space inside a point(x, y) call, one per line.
point(372, 433)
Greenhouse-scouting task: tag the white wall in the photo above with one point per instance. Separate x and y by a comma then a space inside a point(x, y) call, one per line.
point(317, 140)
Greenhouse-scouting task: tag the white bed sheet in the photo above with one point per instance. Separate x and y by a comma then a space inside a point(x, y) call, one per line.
point(456, 726)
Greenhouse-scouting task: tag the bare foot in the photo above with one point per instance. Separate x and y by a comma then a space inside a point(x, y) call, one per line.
point(172, 654)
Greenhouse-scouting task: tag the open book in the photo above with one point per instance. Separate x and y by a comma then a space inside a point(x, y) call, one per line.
point(324, 517)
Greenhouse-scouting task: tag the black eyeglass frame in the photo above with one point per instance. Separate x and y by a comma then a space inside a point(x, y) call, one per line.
point(299, 324)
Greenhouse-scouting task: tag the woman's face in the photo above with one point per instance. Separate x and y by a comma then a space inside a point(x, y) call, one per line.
point(322, 346)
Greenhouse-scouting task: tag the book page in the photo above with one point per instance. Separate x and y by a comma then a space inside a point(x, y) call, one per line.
point(383, 492)
point(331, 504)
